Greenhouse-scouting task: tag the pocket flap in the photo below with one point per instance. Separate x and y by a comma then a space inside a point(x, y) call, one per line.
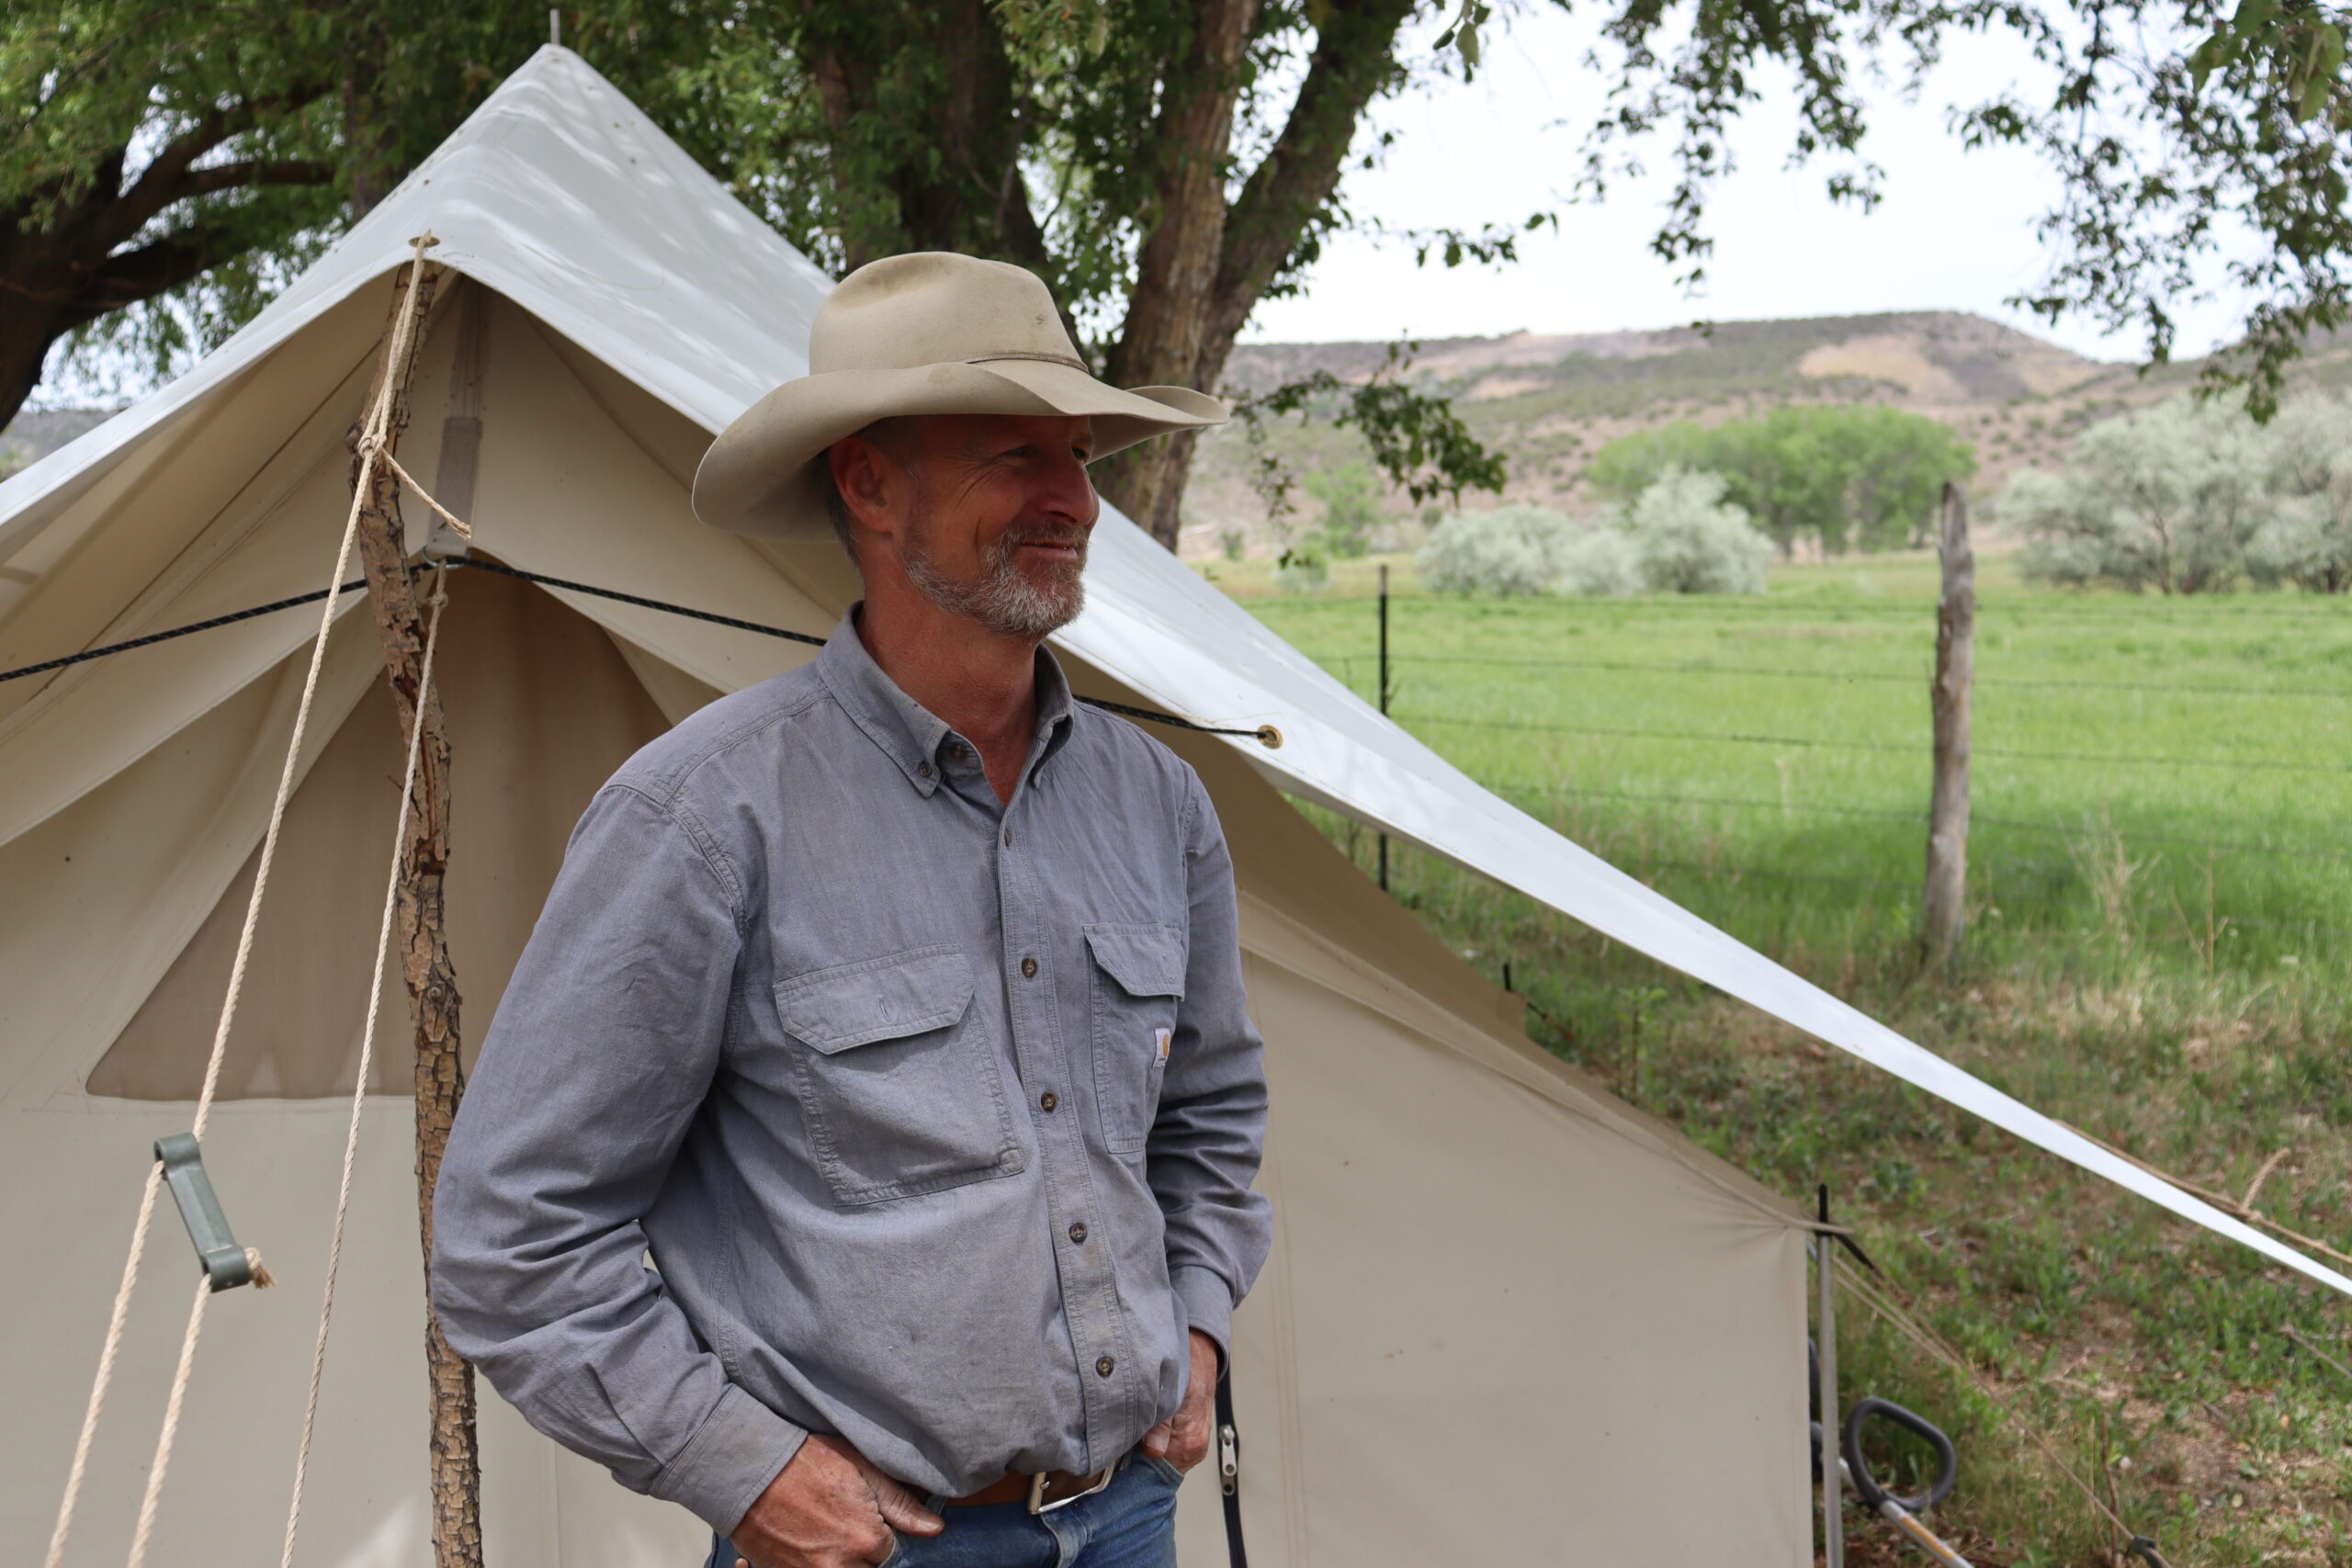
point(875, 999)
point(1147, 961)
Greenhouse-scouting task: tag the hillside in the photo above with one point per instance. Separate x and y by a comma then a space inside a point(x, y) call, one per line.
point(1548, 401)
point(36, 433)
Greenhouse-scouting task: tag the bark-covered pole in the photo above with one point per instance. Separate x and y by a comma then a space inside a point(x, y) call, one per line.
point(1944, 907)
point(424, 949)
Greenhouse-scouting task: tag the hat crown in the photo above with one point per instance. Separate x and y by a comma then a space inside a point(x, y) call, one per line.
point(934, 308)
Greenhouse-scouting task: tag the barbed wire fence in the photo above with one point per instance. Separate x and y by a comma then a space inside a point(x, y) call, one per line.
point(1381, 670)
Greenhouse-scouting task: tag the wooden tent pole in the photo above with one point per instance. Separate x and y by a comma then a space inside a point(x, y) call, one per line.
point(423, 946)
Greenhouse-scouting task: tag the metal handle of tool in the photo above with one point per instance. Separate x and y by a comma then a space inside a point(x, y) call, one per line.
point(1919, 1535)
point(1875, 1496)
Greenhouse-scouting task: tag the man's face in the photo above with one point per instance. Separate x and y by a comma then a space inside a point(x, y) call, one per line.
point(989, 515)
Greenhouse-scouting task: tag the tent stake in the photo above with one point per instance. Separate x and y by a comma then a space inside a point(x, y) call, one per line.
point(424, 955)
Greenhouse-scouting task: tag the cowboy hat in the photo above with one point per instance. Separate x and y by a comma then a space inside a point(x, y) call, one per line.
point(927, 333)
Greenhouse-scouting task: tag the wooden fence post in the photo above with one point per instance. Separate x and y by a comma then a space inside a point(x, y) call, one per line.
point(425, 950)
point(1943, 909)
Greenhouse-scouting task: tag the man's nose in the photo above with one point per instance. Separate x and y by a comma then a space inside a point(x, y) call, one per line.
point(1068, 494)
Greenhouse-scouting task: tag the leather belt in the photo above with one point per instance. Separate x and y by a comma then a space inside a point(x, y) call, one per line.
point(1043, 1493)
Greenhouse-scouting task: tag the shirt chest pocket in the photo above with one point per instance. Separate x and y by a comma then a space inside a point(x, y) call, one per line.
point(899, 1085)
point(1138, 979)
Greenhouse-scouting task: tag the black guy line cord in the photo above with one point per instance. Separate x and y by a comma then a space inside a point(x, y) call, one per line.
point(227, 620)
point(1265, 734)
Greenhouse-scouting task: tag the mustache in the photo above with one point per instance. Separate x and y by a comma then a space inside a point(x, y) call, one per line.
point(1020, 534)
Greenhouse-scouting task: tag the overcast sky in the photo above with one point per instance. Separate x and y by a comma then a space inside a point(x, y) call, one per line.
point(1954, 232)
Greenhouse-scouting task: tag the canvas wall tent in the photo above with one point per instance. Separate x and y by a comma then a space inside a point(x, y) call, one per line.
point(1481, 1254)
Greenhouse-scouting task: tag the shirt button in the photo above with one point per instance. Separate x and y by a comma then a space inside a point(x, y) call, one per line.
point(955, 753)
point(1048, 1099)
point(1008, 837)
point(1078, 1231)
point(1028, 968)
point(1102, 1367)
point(923, 770)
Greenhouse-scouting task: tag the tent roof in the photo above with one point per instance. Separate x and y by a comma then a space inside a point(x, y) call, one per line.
point(561, 195)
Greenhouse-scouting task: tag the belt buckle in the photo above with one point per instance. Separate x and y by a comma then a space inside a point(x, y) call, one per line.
point(1039, 1482)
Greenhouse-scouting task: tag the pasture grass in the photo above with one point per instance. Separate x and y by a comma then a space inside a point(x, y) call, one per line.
point(2160, 903)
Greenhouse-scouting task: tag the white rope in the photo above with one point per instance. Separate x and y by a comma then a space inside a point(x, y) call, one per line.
point(155, 1493)
point(370, 449)
point(367, 1057)
point(457, 525)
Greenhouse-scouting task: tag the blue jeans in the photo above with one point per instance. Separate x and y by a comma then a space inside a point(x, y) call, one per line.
point(1129, 1524)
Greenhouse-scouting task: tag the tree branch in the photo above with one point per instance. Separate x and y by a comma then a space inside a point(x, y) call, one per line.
point(160, 183)
point(170, 177)
point(257, 171)
point(1353, 59)
point(154, 268)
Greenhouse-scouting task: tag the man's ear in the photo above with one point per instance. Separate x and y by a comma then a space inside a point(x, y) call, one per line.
point(861, 473)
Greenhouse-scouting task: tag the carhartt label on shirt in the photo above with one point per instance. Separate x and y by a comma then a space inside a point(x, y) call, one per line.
point(1161, 1035)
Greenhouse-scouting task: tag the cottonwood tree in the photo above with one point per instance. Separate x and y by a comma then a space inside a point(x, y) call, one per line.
point(2308, 542)
point(1168, 165)
point(2166, 498)
point(1836, 475)
point(165, 167)
point(144, 148)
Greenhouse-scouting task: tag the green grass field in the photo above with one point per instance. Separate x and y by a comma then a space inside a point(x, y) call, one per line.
point(2160, 931)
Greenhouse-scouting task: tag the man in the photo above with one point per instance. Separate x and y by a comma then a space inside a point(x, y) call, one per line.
point(894, 1007)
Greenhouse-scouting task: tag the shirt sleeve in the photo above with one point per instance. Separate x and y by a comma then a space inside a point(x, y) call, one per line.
point(1210, 1132)
point(603, 1049)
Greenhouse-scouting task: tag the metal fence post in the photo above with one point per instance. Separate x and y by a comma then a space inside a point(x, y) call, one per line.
point(1943, 906)
point(1833, 1499)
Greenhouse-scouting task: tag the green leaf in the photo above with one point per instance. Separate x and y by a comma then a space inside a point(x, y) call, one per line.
point(2312, 97)
point(2209, 56)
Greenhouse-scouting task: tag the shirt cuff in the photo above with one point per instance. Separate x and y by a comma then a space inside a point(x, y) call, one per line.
point(741, 1447)
point(1208, 1304)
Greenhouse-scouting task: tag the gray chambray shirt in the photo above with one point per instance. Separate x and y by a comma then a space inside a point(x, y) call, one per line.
point(938, 1116)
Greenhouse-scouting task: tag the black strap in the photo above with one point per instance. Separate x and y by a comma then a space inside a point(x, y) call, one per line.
point(1229, 1471)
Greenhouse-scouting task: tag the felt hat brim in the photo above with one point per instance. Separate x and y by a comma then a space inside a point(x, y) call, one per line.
point(760, 477)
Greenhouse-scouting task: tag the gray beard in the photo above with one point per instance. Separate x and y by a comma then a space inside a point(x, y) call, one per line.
point(1002, 597)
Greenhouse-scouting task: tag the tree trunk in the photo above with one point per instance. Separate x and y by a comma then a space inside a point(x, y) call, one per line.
point(424, 954)
point(961, 189)
point(1943, 908)
point(1176, 269)
point(373, 157)
point(25, 336)
point(1262, 235)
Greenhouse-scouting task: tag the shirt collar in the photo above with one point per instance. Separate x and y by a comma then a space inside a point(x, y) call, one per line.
point(910, 734)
